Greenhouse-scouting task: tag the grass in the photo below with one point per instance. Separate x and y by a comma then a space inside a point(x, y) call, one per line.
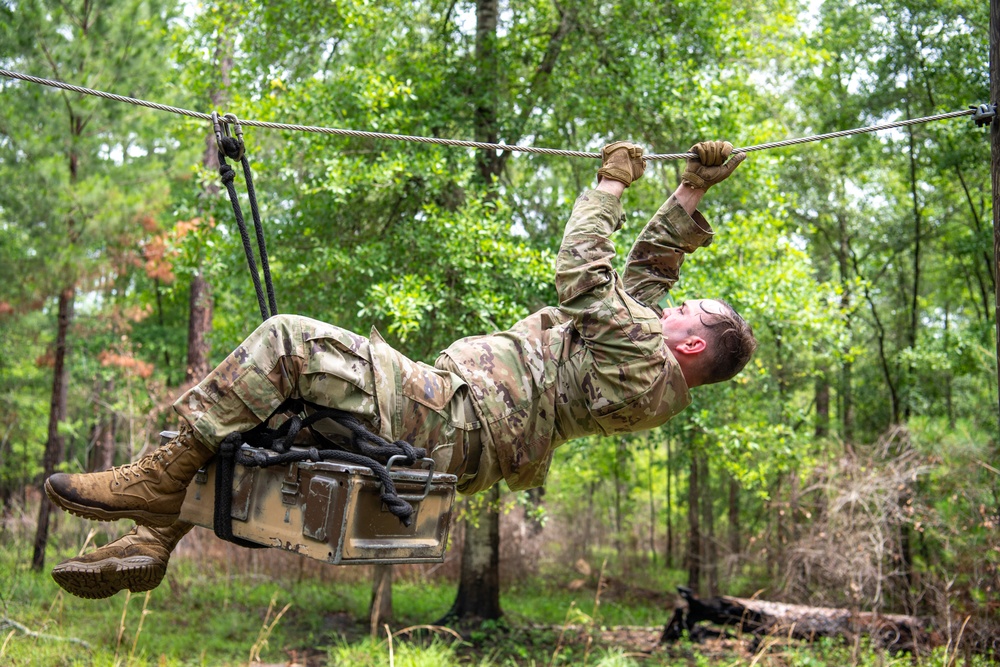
point(220, 615)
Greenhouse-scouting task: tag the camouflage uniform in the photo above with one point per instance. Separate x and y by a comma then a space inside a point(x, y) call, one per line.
point(495, 406)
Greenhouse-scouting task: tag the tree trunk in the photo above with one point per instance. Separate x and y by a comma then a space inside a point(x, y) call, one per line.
point(380, 609)
point(670, 508)
point(734, 518)
point(883, 354)
point(478, 596)
point(587, 525)
point(822, 389)
point(54, 445)
point(102, 454)
point(948, 379)
point(694, 527)
point(199, 326)
point(200, 304)
point(534, 510)
point(487, 71)
point(763, 618)
point(710, 552)
point(915, 287)
point(794, 484)
point(775, 550)
point(650, 450)
point(845, 390)
point(620, 490)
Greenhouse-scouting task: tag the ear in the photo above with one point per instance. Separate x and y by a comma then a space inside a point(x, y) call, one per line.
point(692, 345)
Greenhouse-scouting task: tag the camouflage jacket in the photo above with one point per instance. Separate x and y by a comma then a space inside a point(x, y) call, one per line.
point(596, 363)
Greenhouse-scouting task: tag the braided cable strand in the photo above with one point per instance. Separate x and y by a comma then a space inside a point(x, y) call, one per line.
point(470, 144)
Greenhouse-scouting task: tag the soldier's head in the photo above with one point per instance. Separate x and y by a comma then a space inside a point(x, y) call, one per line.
point(709, 339)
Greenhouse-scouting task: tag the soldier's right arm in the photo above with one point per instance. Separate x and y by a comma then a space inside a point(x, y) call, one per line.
point(590, 291)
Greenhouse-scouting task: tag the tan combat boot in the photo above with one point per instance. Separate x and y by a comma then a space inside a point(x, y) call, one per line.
point(136, 561)
point(149, 491)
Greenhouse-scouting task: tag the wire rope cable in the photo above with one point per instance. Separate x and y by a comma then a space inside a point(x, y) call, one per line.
point(470, 144)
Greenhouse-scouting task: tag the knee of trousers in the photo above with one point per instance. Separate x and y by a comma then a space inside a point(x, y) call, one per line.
point(284, 324)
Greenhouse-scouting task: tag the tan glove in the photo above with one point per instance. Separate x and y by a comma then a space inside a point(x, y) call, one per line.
point(622, 162)
point(711, 166)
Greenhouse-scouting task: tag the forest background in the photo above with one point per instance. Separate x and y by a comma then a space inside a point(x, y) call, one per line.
point(853, 463)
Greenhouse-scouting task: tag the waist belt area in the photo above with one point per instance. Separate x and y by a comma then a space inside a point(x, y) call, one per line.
point(473, 444)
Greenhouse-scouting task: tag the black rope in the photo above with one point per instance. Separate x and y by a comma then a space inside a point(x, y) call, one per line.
point(225, 471)
point(259, 229)
point(231, 147)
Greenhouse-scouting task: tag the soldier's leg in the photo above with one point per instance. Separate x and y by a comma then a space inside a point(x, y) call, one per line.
point(287, 356)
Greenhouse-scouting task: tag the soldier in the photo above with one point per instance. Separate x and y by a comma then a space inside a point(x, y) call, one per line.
point(606, 360)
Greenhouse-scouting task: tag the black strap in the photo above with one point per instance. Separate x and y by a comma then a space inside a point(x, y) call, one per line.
point(222, 520)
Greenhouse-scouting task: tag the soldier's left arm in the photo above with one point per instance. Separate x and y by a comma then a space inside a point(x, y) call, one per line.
point(675, 230)
point(653, 264)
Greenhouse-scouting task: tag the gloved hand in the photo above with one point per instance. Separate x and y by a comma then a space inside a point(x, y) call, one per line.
point(711, 166)
point(622, 162)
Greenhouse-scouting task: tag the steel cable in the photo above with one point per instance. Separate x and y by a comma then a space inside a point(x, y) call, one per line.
point(470, 144)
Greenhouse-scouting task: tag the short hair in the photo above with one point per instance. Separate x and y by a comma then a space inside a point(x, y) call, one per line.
point(731, 343)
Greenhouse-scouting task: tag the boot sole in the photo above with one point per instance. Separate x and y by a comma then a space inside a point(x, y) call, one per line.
point(96, 581)
point(141, 517)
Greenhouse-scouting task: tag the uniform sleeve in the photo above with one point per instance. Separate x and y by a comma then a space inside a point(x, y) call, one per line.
point(583, 264)
point(654, 263)
point(590, 292)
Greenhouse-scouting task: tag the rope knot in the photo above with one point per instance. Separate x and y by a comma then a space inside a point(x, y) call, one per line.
point(227, 173)
point(233, 148)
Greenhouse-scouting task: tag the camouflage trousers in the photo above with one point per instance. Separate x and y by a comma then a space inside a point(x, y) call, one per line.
point(296, 357)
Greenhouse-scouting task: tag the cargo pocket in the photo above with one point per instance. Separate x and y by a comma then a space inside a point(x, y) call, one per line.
point(426, 385)
point(432, 413)
point(338, 373)
point(622, 417)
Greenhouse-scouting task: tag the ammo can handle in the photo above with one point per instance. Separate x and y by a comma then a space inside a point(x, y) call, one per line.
point(427, 484)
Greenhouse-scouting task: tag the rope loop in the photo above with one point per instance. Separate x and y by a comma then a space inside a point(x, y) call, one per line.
point(233, 148)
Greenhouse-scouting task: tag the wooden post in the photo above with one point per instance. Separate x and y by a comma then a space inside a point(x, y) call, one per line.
point(995, 170)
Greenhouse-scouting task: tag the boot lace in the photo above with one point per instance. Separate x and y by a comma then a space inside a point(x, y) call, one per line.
point(139, 468)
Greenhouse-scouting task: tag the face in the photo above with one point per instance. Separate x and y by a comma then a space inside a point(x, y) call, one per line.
point(683, 321)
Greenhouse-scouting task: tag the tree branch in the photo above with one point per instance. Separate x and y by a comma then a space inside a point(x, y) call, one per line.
point(7, 622)
point(537, 89)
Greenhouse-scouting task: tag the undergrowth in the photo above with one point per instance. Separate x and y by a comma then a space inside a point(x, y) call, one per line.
point(214, 616)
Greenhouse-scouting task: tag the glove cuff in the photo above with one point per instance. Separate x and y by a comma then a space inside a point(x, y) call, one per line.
point(694, 180)
point(616, 174)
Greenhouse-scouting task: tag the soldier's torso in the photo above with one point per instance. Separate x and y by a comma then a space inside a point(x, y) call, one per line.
point(541, 383)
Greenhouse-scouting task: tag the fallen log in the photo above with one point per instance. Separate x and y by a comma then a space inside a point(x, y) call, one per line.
point(760, 618)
